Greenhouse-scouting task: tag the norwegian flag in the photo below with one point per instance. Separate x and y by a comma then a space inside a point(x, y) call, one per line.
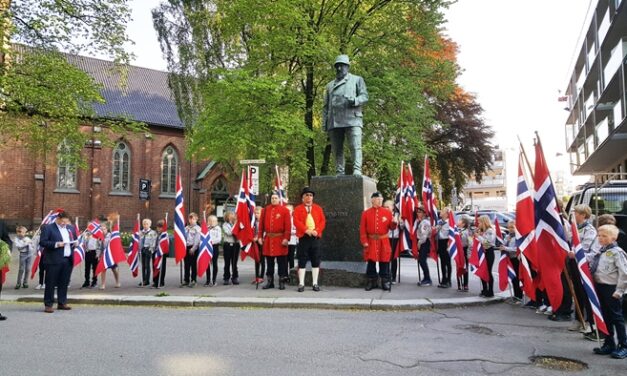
point(499, 233)
point(586, 281)
point(550, 239)
point(95, 229)
point(113, 252)
point(507, 274)
point(428, 198)
point(398, 210)
point(478, 261)
point(245, 225)
point(133, 250)
point(206, 249)
point(455, 247)
point(525, 233)
point(407, 204)
point(180, 241)
point(278, 187)
point(49, 218)
point(163, 247)
point(79, 250)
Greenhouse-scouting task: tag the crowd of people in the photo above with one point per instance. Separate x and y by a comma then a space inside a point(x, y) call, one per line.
point(288, 236)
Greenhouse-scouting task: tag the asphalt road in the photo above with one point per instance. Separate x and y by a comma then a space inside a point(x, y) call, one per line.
point(106, 340)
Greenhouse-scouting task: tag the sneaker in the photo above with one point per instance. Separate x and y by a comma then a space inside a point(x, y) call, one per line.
point(235, 281)
point(25, 285)
point(425, 282)
point(585, 329)
point(207, 284)
point(620, 352)
point(17, 287)
point(444, 285)
point(577, 327)
point(549, 311)
point(592, 336)
point(102, 287)
point(192, 284)
point(606, 349)
point(558, 317)
point(541, 309)
point(39, 287)
point(118, 285)
point(465, 289)
point(225, 282)
point(184, 284)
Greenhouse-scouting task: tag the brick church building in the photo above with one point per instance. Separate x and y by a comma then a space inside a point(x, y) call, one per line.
point(30, 188)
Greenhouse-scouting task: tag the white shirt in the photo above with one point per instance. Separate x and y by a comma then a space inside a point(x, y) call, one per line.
point(65, 234)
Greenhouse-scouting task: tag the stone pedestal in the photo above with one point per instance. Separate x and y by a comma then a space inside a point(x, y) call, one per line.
point(343, 199)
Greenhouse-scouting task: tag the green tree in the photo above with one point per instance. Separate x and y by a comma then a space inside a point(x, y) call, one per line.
point(45, 99)
point(249, 75)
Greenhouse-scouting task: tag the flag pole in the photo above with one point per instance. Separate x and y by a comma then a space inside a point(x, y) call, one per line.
point(569, 280)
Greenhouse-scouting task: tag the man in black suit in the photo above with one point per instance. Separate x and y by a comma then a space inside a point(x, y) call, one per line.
point(57, 239)
point(4, 235)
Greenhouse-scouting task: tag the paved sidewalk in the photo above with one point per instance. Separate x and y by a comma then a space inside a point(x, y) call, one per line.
point(405, 295)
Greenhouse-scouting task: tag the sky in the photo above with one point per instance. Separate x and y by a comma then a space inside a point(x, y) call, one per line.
point(515, 55)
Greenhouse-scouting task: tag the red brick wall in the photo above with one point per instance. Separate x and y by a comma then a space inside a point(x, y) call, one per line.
point(21, 195)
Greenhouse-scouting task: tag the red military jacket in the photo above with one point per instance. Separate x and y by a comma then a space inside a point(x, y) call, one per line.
point(275, 224)
point(373, 230)
point(300, 216)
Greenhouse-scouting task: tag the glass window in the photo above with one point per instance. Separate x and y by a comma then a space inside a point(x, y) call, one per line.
point(169, 164)
point(121, 168)
point(66, 170)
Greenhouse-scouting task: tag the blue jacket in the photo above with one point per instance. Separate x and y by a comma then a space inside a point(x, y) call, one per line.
point(50, 234)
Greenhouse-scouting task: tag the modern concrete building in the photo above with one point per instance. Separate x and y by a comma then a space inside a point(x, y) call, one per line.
point(596, 128)
point(491, 193)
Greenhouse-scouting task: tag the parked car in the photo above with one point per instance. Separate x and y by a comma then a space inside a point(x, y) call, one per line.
point(607, 198)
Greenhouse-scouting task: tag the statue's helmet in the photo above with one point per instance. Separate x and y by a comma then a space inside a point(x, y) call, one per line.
point(342, 59)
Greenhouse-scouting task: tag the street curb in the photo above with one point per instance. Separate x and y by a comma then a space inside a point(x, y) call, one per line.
point(283, 302)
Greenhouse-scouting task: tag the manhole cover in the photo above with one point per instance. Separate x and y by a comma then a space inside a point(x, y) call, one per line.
point(478, 329)
point(558, 363)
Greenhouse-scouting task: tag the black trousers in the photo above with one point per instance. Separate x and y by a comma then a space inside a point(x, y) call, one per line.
point(213, 273)
point(612, 313)
point(309, 249)
point(423, 255)
point(281, 262)
point(488, 287)
point(445, 260)
point(291, 251)
point(384, 270)
point(57, 275)
point(91, 262)
point(42, 269)
point(189, 266)
point(516, 282)
point(580, 293)
point(146, 260)
point(394, 260)
point(231, 256)
point(465, 276)
point(159, 280)
point(260, 267)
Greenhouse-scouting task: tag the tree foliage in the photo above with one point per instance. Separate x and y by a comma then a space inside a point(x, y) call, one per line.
point(249, 75)
point(45, 99)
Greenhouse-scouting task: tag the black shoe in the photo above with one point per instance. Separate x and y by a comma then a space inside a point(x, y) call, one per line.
point(316, 288)
point(225, 282)
point(386, 286)
point(2, 318)
point(371, 284)
point(85, 284)
point(269, 284)
point(443, 286)
point(281, 285)
point(301, 288)
point(235, 281)
point(620, 352)
point(606, 349)
point(556, 317)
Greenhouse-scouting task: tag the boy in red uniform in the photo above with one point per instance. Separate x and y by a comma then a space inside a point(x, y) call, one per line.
point(275, 225)
point(309, 221)
point(373, 236)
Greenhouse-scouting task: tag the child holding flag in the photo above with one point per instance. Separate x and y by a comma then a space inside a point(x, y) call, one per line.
point(609, 269)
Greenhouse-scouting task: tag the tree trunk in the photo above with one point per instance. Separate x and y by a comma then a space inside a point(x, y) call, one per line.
point(309, 103)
